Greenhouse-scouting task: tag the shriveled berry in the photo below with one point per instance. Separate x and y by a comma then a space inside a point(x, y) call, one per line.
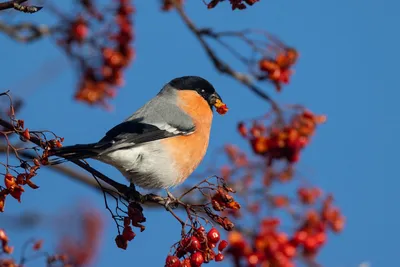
point(197, 259)
point(121, 242)
point(213, 236)
point(172, 261)
point(128, 234)
point(127, 221)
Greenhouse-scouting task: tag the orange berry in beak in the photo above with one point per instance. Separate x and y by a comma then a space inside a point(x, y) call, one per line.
point(221, 107)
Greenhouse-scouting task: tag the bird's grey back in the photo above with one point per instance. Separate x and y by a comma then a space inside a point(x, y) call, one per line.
point(163, 109)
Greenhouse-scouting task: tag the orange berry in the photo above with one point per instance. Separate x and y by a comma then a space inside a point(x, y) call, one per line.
point(289, 250)
point(242, 129)
point(268, 65)
point(26, 134)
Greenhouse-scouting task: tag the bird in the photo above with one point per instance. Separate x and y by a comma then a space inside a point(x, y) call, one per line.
point(161, 144)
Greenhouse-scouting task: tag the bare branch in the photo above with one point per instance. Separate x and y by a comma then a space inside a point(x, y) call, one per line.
point(16, 4)
point(26, 32)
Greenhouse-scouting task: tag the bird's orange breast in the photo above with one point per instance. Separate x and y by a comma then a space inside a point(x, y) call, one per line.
point(188, 151)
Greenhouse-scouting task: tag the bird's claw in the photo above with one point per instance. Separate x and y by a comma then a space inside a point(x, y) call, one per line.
point(171, 201)
point(134, 195)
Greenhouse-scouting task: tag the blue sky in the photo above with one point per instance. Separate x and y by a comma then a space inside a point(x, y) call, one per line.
point(347, 70)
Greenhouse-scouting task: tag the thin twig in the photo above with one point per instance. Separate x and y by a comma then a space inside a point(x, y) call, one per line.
point(16, 4)
point(27, 32)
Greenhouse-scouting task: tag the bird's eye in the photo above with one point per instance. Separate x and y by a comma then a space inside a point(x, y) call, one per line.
point(203, 91)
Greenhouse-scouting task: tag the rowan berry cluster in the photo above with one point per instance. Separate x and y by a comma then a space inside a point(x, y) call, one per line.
point(76, 248)
point(279, 139)
point(277, 69)
point(16, 177)
point(271, 247)
point(84, 230)
point(236, 4)
point(282, 141)
point(110, 50)
point(36, 246)
point(197, 248)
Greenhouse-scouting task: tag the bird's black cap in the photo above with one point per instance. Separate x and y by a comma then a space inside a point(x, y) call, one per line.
point(195, 83)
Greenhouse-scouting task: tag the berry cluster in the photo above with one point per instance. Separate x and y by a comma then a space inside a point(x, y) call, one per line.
point(271, 247)
point(135, 218)
point(13, 184)
point(282, 142)
point(236, 4)
point(277, 69)
point(197, 248)
point(111, 48)
point(85, 227)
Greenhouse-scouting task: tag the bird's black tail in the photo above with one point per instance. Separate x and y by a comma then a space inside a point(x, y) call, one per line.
point(75, 152)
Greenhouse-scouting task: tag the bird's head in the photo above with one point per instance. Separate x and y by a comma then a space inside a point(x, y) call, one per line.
point(202, 87)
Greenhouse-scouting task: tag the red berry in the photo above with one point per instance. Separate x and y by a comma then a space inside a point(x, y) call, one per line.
point(310, 243)
point(289, 250)
point(186, 263)
point(190, 244)
point(222, 245)
point(194, 244)
point(201, 229)
point(213, 236)
point(197, 259)
point(321, 238)
point(172, 261)
point(180, 252)
point(242, 129)
point(300, 237)
point(219, 257)
point(253, 259)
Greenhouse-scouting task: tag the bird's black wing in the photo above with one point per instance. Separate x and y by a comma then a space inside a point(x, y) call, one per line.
point(125, 135)
point(134, 132)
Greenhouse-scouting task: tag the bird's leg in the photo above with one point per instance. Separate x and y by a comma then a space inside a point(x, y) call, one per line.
point(134, 195)
point(171, 201)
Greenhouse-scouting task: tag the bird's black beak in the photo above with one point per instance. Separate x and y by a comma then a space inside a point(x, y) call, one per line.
point(216, 101)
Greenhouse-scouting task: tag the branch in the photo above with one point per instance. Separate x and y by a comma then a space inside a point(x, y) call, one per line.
point(219, 64)
point(26, 32)
point(16, 4)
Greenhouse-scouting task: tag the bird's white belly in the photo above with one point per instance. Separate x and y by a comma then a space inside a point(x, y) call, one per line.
point(146, 165)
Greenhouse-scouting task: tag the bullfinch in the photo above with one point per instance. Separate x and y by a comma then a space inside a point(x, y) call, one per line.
point(162, 143)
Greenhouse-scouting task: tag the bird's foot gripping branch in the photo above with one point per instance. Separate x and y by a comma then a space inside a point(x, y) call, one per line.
point(196, 208)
